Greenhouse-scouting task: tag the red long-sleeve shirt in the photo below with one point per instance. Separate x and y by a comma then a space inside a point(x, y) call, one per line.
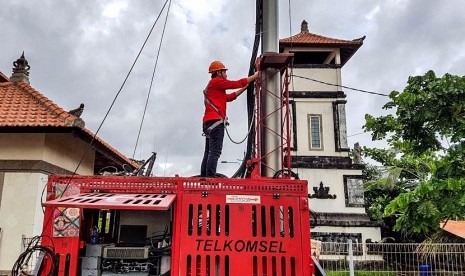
point(216, 94)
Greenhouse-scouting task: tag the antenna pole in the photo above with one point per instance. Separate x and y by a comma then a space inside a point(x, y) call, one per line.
point(270, 99)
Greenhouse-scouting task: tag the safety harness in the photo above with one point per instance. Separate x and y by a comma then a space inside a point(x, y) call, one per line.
point(224, 120)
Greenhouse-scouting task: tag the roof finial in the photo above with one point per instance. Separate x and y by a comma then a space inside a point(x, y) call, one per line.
point(20, 70)
point(304, 27)
point(78, 111)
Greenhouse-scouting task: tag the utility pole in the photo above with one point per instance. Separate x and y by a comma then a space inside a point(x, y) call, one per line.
point(270, 99)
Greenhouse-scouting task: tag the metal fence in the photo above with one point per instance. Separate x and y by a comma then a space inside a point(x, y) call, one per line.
point(378, 259)
point(406, 259)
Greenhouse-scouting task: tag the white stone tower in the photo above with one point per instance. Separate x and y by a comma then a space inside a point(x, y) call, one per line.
point(320, 153)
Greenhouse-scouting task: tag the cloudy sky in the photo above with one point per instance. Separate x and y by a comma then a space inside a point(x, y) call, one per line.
point(81, 51)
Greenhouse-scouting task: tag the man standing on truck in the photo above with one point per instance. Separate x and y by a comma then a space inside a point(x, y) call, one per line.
point(214, 118)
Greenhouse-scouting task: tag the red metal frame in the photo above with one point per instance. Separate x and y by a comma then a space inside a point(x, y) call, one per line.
point(281, 62)
point(254, 226)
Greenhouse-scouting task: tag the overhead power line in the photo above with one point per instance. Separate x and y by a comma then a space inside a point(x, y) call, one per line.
point(356, 134)
point(151, 81)
point(94, 137)
point(343, 86)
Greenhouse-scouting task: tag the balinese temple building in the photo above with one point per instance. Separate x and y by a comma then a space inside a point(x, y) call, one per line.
point(319, 147)
point(39, 138)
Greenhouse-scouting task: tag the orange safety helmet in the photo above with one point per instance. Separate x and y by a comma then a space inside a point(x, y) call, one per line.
point(216, 66)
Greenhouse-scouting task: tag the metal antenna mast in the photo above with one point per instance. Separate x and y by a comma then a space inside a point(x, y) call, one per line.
point(271, 82)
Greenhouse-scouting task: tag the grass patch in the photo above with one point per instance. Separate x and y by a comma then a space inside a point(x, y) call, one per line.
point(360, 273)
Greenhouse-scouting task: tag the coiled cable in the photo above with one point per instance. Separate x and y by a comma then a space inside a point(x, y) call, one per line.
point(33, 249)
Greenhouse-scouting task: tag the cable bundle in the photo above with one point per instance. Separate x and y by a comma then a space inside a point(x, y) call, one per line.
point(33, 250)
point(241, 172)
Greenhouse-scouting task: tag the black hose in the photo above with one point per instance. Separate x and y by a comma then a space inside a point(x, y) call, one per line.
point(313, 219)
point(286, 172)
point(241, 171)
point(33, 250)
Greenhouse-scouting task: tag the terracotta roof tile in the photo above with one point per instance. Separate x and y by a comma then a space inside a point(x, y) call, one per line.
point(311, 38)
point(308, 39)
point(454, 227)
point(23, 106)
point(3, 78)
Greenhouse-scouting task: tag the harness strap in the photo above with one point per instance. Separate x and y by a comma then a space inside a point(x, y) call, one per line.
point(217, 123)
point(207, 101)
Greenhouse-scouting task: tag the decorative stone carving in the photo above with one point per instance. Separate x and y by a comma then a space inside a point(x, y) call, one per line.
point(322, 192)
point(21, 65)
point(78, 111)
point(340, 125)
point(337, 237)
point(324, 162)
point(317, 94)
point(304, 27)
point(354, 193)
point(20, 70)
point(357, 154)
point(337, 243)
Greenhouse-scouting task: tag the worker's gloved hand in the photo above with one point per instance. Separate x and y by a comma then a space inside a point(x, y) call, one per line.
point(255, 75)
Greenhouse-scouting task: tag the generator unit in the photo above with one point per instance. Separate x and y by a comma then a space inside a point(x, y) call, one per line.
point(178, 226)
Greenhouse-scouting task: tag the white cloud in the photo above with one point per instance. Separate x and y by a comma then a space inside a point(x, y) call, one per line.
point(84, 51)
point(113, 9)
point(373, 12)
point(201, 9)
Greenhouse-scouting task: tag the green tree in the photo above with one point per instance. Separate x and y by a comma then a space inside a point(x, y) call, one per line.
point(426, 153)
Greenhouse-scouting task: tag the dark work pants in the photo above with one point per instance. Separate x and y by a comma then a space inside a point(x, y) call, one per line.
point(213, 147)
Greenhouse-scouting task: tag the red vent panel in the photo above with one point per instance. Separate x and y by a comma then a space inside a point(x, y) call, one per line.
point(115, 201)
point(257, 237)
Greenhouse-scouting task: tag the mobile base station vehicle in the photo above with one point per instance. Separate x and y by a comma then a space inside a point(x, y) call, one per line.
point(139, 225)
